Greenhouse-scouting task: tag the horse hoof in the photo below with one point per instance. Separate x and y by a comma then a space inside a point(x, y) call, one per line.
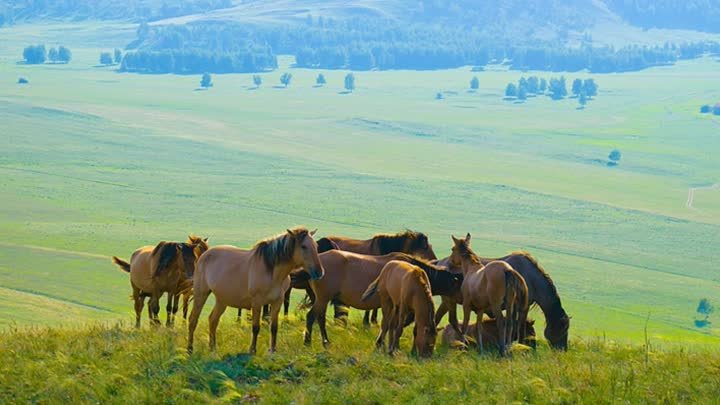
point(326, 344)
point(190, 350)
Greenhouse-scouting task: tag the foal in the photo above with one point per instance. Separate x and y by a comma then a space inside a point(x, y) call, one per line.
point(404, 289)
point(490, 288)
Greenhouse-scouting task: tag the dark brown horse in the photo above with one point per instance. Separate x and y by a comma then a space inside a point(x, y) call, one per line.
point(404, 289)
point(347, 276)
point(180, 257)
point(541, 292)
point(410, 242)
point(491, 288)
point(250, 279)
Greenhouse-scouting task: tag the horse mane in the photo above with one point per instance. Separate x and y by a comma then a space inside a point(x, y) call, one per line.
point(544, 275)
point(325, 244)
point(428, 267)
point(278, 249)
point(425, 283)
point(165, 253)
point(388, 243)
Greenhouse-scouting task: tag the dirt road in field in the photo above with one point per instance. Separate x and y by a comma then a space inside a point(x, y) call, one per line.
point(692, 190)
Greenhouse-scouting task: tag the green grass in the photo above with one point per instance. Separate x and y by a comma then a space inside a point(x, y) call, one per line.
point(114, 364)
point(98, 163)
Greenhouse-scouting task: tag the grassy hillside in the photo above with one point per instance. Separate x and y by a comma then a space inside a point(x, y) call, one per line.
point(98, 163)
point(112, 364)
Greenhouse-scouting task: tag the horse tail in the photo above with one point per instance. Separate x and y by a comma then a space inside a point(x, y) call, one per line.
point(163, 255)
point(124, 266)
point(371, 290)
point(517, 310)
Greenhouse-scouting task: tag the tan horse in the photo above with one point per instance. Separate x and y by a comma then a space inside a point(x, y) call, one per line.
point(347, 276)
point(404, 289)
point(490, 288)
point(490, 334)
point(145, 284)
point(249, 279)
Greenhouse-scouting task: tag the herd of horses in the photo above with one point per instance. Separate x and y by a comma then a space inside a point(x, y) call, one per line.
point(396, 273)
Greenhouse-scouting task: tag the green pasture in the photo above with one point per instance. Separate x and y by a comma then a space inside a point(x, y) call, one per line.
point(96, 163)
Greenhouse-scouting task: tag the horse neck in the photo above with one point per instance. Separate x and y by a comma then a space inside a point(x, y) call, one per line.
point(282, 271)
point(547, 299)
point(468, 266)
point(424, 309)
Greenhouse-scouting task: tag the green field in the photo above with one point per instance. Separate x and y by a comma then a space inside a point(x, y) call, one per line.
point(95, 163)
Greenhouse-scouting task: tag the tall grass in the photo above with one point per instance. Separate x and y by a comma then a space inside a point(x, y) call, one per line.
point(114, 364)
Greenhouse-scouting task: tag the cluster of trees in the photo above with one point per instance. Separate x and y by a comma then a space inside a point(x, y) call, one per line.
point(37, 54)
point(108, 58)
point(21, 10)
point(707, 109)
point(556, 88)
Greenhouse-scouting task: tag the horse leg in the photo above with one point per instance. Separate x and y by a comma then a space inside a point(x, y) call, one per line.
point(256, 315)
point(176, 306)
point(374, 317)
point(186, 302)
point(266, 312)
point(413, 351)
point(309, 322)
point(441, 310)
point(274, 314)
point(213, 321)
point(286, 302)
point(386, 306)
point(200, 296)
point(322, 324)
point(479, 329)
point(154, 308)
point(500, 322)
point(467, 311)
point(168, 310)
point(399, 324)
point(139, 303)
point(366, 319)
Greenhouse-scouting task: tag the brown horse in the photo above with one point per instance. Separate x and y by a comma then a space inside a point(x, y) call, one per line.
point(347, 276)
point(145, 284)
point(541, 292)
point(490, 334)
point(410, 242)
point(250, 279)
point(404, 289)
point(490, 288)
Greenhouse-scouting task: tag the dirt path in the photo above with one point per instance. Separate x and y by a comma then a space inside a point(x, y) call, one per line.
point(691, 194)
point(54, 250)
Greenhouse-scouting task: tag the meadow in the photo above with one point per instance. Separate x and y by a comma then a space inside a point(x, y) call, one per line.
point(95, 163)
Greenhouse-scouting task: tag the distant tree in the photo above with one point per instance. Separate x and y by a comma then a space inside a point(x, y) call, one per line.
point(716, 109)
point(522, 93)
point(533, 85)
point(206, 81)
point(106, 58)
point(577, 87)
point(705, 308)
point(511, 90)
point(543, 86)
point(438, 96)
point(22, 80)
point(64, 54)
point(35, 54)
point(590, 88)
point(350, 82)
point(614, 157)
point(582, 99)
point(523, 83)
point(285, 79)
point(705, 109)
point(53, 55)
point(558, 89)
point(474, 83)
point(117, 56)
point(320, 80)
point(257, 80)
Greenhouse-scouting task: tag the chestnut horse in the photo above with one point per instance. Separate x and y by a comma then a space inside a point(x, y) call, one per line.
point(491, 288)
point(541, 292)
point(145, 284)
point(410, 242)
point(347, 276)
point(490, 334)
point(404, 289)
point(250, 279)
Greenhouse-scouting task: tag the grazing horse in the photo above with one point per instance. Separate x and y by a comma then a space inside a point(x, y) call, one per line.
point(541, 292)
point(410, 242)
point(490, 334)
point(250, 279)
point(347, 276)
point(491, 288)
point(145, 284)
point(404, 289)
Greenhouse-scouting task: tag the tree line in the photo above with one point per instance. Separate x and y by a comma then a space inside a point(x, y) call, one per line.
point(556, 88)
point(365, 44)
point(703, 15)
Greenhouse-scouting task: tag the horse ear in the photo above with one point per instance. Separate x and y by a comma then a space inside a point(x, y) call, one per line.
point(454, 239)
point(467, 238)
point(313, 232)
point(205, 240)
point(290, 232)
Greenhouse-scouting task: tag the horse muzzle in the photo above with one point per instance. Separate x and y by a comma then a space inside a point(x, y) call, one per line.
point(316, 273)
